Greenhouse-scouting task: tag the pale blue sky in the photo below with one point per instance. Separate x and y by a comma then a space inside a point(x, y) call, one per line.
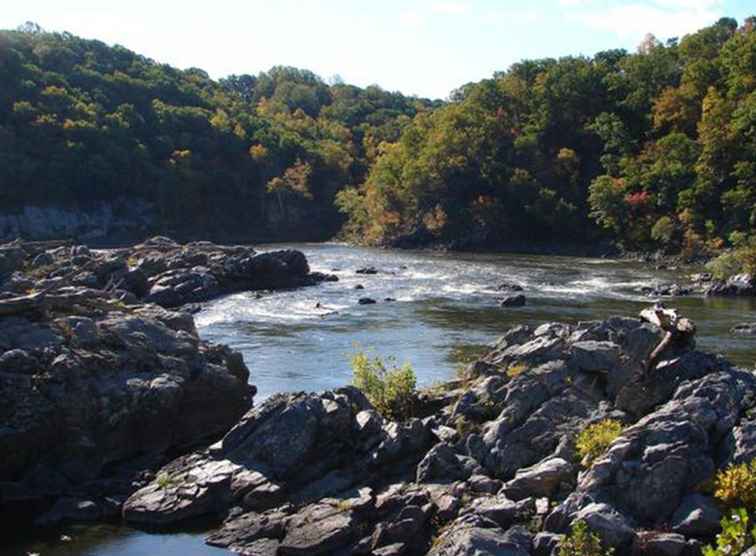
point(425, 47)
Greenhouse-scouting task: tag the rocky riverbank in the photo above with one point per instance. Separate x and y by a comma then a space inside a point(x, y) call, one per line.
point(101, 380)
point(113, 408)
point(488, 465)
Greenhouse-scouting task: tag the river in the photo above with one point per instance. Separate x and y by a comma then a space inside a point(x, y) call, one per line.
point(443, 313)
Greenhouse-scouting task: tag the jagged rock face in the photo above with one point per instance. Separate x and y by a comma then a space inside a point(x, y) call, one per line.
point(493, 468)
point(293, 447)
point(157, 271)
point(738, 285)
point(81, 392)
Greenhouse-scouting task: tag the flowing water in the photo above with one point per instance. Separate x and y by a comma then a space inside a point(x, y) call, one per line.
point(444, 311)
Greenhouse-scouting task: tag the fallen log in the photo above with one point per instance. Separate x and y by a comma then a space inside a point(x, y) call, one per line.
point(677, 331)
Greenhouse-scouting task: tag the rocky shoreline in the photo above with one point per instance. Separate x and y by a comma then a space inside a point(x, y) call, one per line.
point(113, 408)
point(101, 381)
point(488, 464)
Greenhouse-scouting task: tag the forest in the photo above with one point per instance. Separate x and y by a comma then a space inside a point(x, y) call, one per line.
point(654, 149)
point(81, 121)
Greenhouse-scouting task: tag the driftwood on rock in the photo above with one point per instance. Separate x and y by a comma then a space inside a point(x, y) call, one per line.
point(22, 304)
point(677, 330)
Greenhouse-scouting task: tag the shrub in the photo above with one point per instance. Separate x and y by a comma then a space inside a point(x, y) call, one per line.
point(516, 370)
point(583, 542)
point(736, 485)
point(391, 389)
point(735, 537)
point(595, 439)
point(664, 230)
point(740, 259)
point(164, 480)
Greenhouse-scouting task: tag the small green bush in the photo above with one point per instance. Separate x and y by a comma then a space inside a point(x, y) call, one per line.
point(740, 259)
point(595, 439)
point(664, 230)
point(390, 388)
point(735, 537)
point(736, 485)
point(583, 542)
point(164, 480)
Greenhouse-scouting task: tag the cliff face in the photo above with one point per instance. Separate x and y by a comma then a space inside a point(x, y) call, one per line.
point(128, 221)
point(117, 221)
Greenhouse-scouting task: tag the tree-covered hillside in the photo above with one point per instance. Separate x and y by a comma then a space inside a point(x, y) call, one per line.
point(655, 148)
point(652, 149)
point(261, 156)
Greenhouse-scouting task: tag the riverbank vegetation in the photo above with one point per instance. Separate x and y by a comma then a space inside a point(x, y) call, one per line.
point(81, 122)
point(651, 150)
point(655, 149)
point(389, 387)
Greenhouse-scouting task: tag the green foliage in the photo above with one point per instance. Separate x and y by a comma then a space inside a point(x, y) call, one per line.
point(735, 537)
point(390, 388)
point(82, 122)
point(736, 485)
point(164, 480)
point(583, 542)
point(653, 149)
point(593, 441)
point(738, 260)
point(664, 230)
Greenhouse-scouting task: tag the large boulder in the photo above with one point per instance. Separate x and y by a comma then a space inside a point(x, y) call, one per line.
point(83, 393)
point(298, 447)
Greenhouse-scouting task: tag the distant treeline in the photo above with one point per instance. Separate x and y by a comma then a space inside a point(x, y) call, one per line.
point(655, 149)
point(81, 121)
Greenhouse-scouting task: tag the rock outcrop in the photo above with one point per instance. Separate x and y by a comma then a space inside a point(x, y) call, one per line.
point(489, 464)
point(738, 285)
point(102, 379)
point(157, 271)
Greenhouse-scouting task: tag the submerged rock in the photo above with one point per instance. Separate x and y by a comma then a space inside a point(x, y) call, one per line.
point(744, 329)
point(513, 301)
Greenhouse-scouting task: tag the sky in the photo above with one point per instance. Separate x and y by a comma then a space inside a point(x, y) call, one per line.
point(421, 47)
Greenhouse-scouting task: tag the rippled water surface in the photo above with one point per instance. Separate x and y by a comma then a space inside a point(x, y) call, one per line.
point(444, 312)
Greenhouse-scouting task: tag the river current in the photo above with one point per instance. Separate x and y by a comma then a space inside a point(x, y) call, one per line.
point(434, 310)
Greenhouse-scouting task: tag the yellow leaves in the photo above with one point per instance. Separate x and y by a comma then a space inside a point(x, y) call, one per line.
point(221, 121)
point(294, 180)
point(180, 158)
point(736, 485)
point(594, 440)
point(258, 153)
point(516, 370)
point(435, 220)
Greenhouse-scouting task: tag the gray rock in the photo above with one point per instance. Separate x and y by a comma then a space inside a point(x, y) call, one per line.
point(469, 539)
point(514, 301)
point(441, 464)
point(500, 510)
point(697, 516)
point(593, 356)
point(652, 543)
point(546, 544)
point(613, 528)
point(319, 529)
point(744, 329)
point(541, 480)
